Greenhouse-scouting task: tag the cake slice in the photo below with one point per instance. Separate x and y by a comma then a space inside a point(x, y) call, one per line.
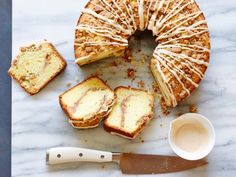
point(87, 103)
point(36, 65)
point(132, 111)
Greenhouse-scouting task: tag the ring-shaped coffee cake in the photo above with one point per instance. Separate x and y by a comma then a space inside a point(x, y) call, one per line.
point(183, 44)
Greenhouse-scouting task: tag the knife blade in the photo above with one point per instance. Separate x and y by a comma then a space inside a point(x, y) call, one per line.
point(154, 164)
point(130, 163)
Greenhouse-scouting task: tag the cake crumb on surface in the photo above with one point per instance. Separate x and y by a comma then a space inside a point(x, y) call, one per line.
point(114, 64)
point(179, 114)
point(142, 57)
point(193, 108)
point(96, 73)
point(103, 166)
point(68, 84)
point(164, 108)
point(141, 84)
point(127, 55)
point(131, 73)
point(155, 88)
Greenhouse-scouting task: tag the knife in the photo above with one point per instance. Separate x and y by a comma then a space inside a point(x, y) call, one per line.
point(129, 163)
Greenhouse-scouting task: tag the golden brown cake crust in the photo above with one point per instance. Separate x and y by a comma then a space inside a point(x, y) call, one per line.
point(63, 61)
point(183, 41)
point(88, 51)
point(195, 73)
point(94, 120)
point(144, 121)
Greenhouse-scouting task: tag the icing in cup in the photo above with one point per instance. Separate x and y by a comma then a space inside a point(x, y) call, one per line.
point(191, 136)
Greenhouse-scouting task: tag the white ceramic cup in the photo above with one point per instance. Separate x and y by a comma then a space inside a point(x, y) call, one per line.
point(194, 119)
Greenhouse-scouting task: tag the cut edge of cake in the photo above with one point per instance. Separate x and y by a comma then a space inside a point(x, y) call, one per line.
point(144, 121)
point(84, 60)
point(165, 92)
point(92, 123)
point(97, 117)
point(24, 49)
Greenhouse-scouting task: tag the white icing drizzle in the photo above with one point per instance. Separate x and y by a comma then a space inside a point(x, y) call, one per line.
point(141, 14)
point(131, 14)
point(188, 64)
point(106, 4)
point(175, 69)
point(102, 32)
point(185, 46)
point(172, 70)
point(171, 14)
point(120, 24)
point(111, 22)
point(182, 30)
point(178, 26)
point(148, 12)
point(185, 37)
point(170, 90)
point(184, 57)
point(181, 20)
point(101, 43)
point(158, 24)
point(128, 21)
point(107, 11)
point(152, 21)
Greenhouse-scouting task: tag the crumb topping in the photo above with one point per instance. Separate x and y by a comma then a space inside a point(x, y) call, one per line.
point(131, 73)
point(193, 109)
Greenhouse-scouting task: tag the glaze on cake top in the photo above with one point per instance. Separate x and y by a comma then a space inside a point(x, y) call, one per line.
point(180, 29)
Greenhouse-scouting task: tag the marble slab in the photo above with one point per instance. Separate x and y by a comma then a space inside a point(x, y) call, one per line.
point(38, 122)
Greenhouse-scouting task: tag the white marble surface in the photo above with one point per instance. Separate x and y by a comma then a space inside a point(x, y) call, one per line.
point(38, 122)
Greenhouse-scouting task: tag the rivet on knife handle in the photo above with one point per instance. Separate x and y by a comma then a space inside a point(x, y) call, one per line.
point(72, 154)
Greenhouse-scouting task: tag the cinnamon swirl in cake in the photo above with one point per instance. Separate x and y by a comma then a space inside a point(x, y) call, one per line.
point(132, 111)
point(36, 65)
point(87, 103)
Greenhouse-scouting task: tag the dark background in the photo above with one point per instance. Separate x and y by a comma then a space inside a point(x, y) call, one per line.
point(5, 87)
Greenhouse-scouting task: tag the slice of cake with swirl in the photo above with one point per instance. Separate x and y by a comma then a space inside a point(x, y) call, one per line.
point(132, 111)
point(87, 103)
point(36, 65)
point(182, 37)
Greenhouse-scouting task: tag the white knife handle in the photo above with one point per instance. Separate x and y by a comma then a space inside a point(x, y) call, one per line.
point(72, 154)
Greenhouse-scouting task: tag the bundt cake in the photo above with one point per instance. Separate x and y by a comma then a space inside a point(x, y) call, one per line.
point(179, 26)
point(36, 65)
point(87, 103)
point(132, 111)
